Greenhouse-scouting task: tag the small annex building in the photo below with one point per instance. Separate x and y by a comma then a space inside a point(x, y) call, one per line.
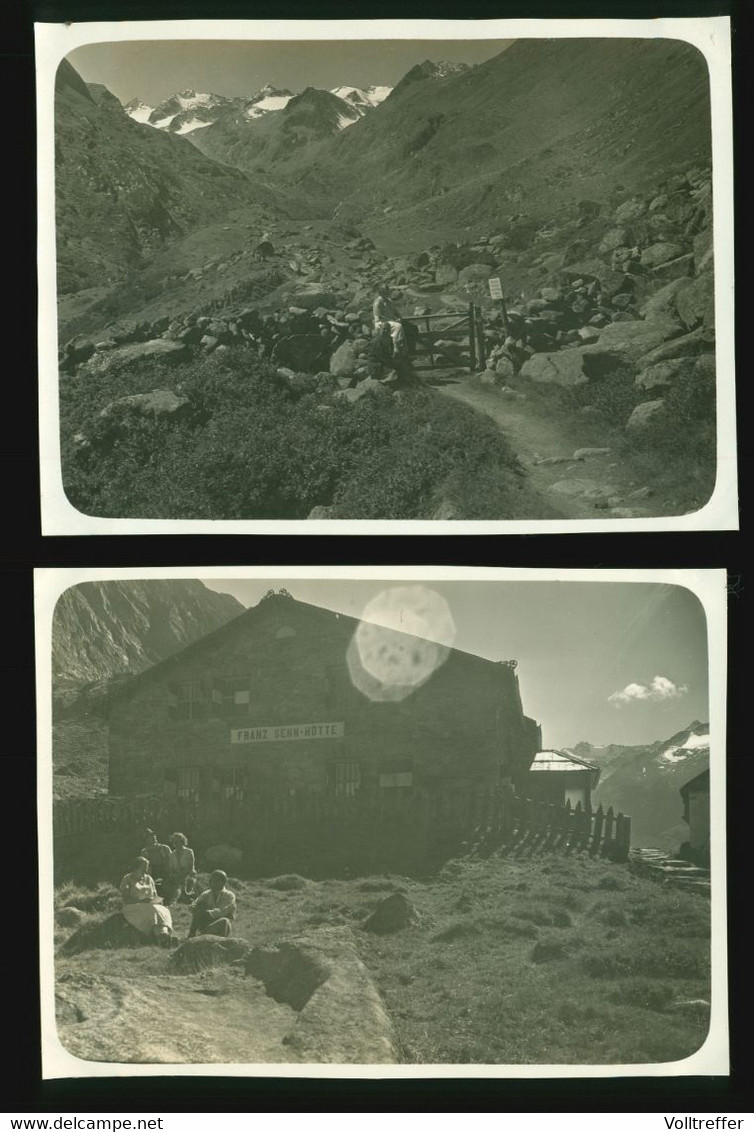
point(696, 813)
point(284, 720)
point(557, 777)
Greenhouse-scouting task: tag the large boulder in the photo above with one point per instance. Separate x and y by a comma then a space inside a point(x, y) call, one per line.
point(661, 304)
point(562, 367)
point(643, 414)
point(205, 951)
point(125, 357)
point(698, 341)
point(630, 210)
point(656, 254)
point(392, 915)
point(159, 403)
point(314, 296)
point(615, 238)
point(695, 301)
point(623, 343)
point(346, 359)
point(476, 272)
point(661, 374)
point(369, 387)
point(681, 266)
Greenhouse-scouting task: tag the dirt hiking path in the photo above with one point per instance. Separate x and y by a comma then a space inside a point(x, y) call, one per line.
point(597, 485)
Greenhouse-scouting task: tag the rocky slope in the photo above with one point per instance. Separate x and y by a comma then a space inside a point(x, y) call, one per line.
point(106, 629)
point(644, 781)
point(123, 190)
point(103, 632)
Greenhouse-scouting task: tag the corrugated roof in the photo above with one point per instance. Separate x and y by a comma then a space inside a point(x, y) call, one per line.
point(560, 761)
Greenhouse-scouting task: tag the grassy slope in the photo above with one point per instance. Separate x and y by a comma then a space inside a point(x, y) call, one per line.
point(552, 960)
point(536, 128)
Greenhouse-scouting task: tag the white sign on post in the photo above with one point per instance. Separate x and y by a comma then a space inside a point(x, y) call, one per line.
point(496, 288)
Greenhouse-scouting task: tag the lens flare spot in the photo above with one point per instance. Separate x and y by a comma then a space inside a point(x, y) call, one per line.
point(404, 635)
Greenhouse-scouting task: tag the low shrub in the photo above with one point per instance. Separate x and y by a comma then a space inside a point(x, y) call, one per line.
point(247, 448)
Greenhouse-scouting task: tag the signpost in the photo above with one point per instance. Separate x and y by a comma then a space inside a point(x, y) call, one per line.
point(496, 292)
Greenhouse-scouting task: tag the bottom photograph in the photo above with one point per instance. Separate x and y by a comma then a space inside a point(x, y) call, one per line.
point(300, 821)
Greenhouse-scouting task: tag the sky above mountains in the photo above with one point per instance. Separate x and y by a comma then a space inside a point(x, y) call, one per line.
point(153, 70)
point(609, 662)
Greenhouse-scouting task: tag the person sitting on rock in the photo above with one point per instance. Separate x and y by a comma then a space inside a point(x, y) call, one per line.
point(386, 313)
point(214, 911)
point(160, 860)
point(142, 907)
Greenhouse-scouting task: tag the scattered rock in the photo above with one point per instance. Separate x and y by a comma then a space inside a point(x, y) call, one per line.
point(695, 302)
point(675, 268)
point(475, 272)
point(643, 414)
point(630, 210)
point(564, 367)
point(660, 374)
point(686, 346)
point(585, 453)
point(391, 915)
point(158, 403)
point(123, 357)
point(624, 343)
point(69, 917)
point(660, 253)
point(584, 488)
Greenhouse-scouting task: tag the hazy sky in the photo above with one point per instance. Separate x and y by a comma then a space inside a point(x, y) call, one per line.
point(153, 70)
point(577, 645)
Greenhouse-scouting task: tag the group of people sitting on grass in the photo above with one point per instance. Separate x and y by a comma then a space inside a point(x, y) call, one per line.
point(161, 875)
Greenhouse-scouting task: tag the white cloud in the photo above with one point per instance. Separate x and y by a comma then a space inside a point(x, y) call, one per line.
point(661, 688)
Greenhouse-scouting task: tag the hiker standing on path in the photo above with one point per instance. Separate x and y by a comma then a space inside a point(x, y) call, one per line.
point(182, 876)
point(214, 910)
point(386, 314)
point(142, 907)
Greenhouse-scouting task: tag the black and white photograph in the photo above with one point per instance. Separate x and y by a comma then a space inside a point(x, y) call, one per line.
point(386, 276)
point(307, 820)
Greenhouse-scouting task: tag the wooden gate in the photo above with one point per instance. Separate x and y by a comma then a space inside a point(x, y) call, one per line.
point(463, 326)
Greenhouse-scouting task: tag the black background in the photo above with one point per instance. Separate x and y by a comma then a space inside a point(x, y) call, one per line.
point(23, 549)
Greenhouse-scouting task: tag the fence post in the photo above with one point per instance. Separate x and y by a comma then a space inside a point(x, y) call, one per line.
point(472, 337)
point(607, 843)
point(481, 346)
point(599, 819)
point(622, 837)
point(586, 828)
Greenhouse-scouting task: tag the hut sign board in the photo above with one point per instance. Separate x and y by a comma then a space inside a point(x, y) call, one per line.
point(496, 288)
point(287, 732)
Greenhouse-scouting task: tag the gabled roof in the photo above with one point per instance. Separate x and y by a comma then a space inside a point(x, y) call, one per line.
point(236, 624)
point(560, 761)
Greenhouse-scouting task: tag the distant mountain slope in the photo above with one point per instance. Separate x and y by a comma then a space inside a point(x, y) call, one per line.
point(543, 124)
point(107, 629)
point(273, 140)
point(644, 781)
point(123, 190)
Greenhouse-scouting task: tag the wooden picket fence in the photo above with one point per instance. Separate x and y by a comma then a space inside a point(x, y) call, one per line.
point(520, 825)
point(477, 820)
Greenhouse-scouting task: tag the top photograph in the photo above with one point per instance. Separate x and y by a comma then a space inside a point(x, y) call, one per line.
point(386, 276)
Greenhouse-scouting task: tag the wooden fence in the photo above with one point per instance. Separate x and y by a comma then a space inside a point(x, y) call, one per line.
point(366, 829)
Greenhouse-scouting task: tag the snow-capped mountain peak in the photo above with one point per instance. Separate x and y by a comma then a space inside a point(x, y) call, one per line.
point(138, 110)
